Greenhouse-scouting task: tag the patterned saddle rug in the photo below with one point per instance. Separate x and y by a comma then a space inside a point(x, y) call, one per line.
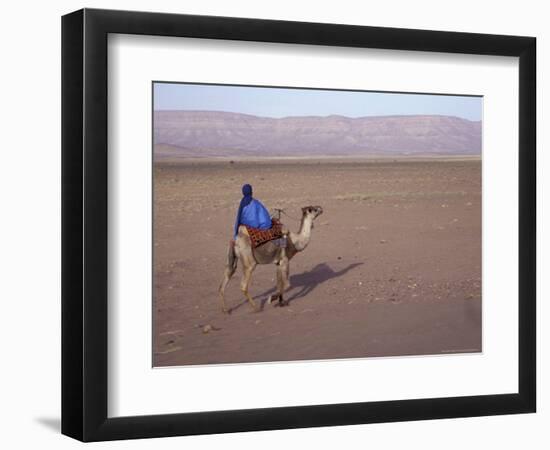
point(259, 237)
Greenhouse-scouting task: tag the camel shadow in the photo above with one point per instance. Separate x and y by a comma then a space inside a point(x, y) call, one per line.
point(304, 283)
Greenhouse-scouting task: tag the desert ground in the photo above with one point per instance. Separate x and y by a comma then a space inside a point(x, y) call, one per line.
point(393, 267)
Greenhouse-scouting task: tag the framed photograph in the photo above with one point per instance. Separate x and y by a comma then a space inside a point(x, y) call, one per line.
point(273, 224)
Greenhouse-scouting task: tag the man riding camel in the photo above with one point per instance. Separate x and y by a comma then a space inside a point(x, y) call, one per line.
point(251, 212)
point(264, 240)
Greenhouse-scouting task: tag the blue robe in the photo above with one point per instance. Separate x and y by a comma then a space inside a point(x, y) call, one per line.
point(253, 214)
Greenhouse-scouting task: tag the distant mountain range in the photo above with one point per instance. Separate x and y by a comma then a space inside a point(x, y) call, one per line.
point(226, 134)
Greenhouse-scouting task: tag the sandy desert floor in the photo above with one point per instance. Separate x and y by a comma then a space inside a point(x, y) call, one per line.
point(393, 267)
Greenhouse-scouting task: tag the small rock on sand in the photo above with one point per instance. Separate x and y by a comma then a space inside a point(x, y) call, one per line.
point(208, 328)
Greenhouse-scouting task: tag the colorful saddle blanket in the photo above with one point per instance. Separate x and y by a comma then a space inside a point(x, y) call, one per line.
point(259, 237)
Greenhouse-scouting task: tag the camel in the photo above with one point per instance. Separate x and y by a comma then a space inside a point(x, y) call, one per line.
point(267, 253)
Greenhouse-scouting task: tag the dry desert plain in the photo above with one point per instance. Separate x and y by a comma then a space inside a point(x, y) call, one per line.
point(393, 267)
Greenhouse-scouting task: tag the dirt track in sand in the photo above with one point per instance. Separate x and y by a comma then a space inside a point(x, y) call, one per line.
point(393, 267)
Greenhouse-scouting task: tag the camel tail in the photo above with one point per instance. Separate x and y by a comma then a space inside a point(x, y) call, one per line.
point(230, 268)
point(231, 258)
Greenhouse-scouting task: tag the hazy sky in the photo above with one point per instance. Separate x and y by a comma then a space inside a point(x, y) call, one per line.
point(281, 102)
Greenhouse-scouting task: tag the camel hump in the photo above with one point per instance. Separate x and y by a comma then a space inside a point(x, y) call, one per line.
point(243, 230)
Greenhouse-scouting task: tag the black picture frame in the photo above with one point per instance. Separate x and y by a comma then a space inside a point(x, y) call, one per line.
point(84, 224)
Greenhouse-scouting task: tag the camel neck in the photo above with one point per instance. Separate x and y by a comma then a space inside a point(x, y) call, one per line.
point(301, 239)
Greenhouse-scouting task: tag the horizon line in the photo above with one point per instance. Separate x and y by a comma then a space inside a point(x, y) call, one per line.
point(314, 116)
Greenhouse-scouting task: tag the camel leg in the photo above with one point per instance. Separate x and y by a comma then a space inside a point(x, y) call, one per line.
point(230, 267)
point(282, 279)
point(245, 284)
point(227, 274)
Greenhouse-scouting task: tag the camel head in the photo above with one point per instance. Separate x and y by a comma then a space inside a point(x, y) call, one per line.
point(311, 211)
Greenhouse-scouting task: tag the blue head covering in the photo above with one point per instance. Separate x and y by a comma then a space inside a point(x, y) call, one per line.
point(247, 191)
point(247, 198)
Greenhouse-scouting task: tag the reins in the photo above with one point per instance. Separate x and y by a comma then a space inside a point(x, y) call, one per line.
point(280, 210)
